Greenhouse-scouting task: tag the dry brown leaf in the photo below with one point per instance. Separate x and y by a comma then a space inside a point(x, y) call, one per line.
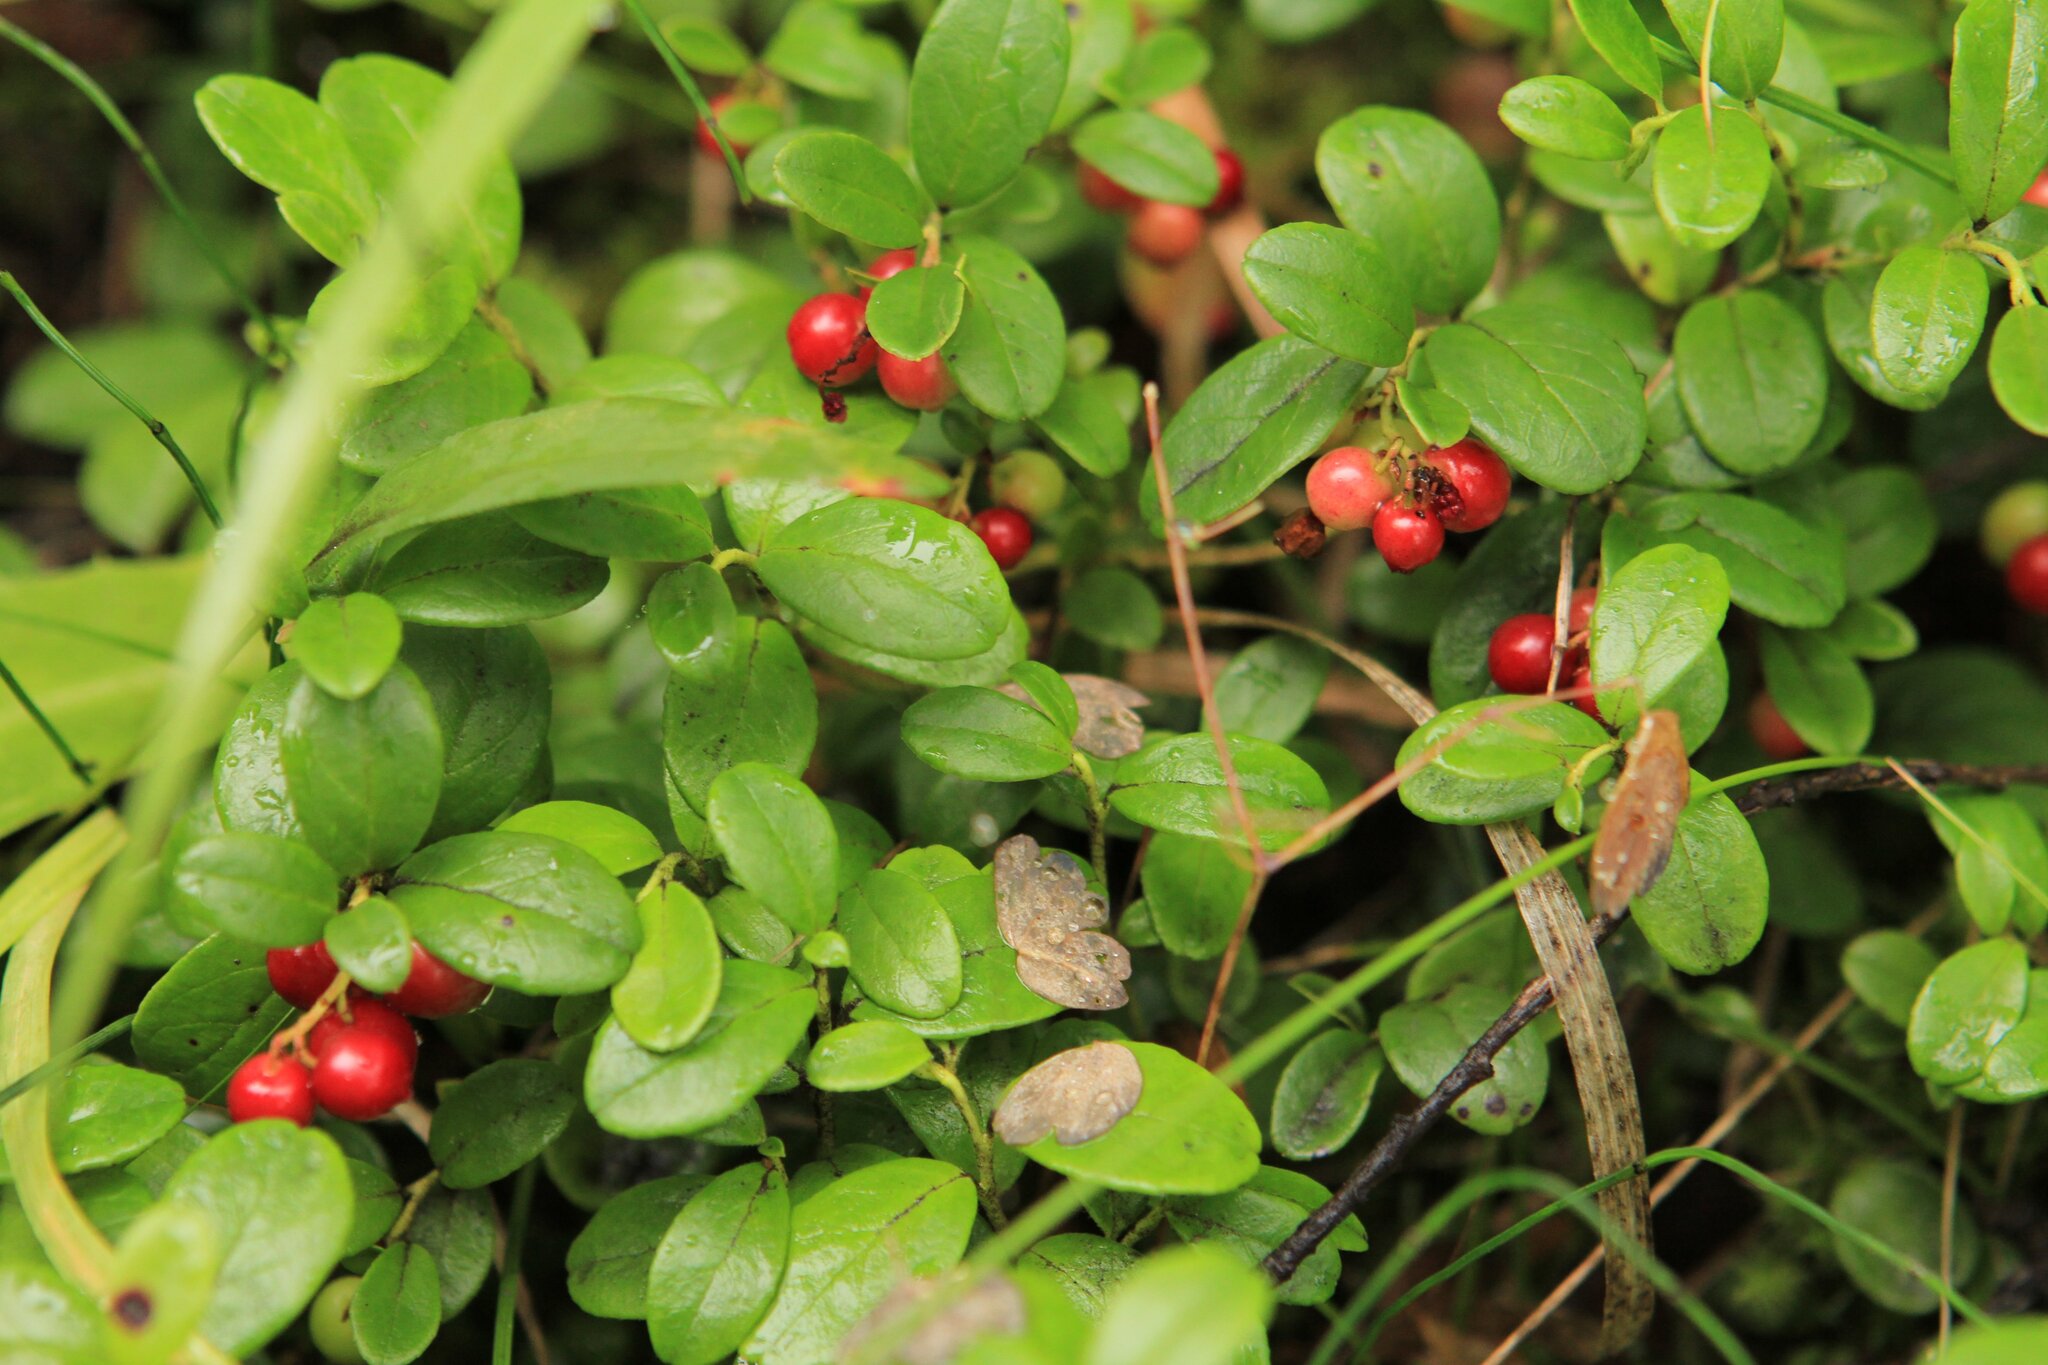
point(1076, 1095)
point(1045, 911)
point(1110, 727)
point(1634, 842)
point(992, 1307)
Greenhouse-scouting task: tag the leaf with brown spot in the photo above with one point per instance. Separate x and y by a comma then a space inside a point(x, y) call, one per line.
point(1045, 911)
point(907, 1328)
point(1634, 842)
point(1076, 1095)
point(1110, 727)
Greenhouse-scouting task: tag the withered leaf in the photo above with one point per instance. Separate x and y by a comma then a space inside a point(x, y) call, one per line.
point(1076, 1095)
point(1110, 727)
point(896, 1331)
point(1634, 842)
point(1045, 911)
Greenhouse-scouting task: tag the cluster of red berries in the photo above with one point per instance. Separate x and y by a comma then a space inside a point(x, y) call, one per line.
point(1165, 234)
point(2015, 538)
point(1518, 655)
point(1409, 503)
point(829, 341)
point(357, 1060)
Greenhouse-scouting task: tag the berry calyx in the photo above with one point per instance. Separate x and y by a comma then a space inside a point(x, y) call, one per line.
point(435, 990)
point(301, 974)
point(1030, 481)
point(829, 341)
point(921, 385)
point(707, 143)
point(887, 265)
point(2026, 575)
point(1104, 193)
point(268, 1086)
point(334, 1336)
point(1229, 183)
point(1772, 733)
point(363, 1065)
point(1346, 487)
point(1580, 615)
point(1165, 234)
point(1518, 655)
point(1472, 486)
point(1406, 537)
point(2013, 518)
point(1006, 532)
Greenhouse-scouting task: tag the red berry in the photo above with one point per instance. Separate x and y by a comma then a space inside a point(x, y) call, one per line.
point(829, 341)
point(887, 264)
point(435, 990)
point(925, 384)
point(1229, 183)
point(271, 1087)
point(1345, 488)
point(1406, 537)
point(1006, 532)
point(362, 1066)
point(1104, 193)
point(1767, 725)
point(1582, 677)
point(2026, 575)
point(301, 974)
point(1581, 613)
point(708, 144)
point(1165, 234)
point(1478, 485)
point(2037, 193)
point(1518, 655)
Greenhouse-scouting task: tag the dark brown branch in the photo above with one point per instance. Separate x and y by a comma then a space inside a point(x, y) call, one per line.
point(1476, 1065)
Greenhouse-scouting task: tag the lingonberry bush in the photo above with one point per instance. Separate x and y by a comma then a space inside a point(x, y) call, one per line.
point(839, 682)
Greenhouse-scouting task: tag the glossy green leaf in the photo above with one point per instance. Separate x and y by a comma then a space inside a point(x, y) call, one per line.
point(1196, 889)
point(490, 690)
point(1708, 190)
point(1966, 1008)
point(639, 376)
point(102, 1113)
point(1707, 909)
point(486, 571)
point(618, 841)
point(1424, 1039)
point(626, 523)
point(207, 1014)
point(1188, 1134)
point(1870, 629)
point(456, 1226)
point(263, 889)
point(1113, 607)
point(291, 146)
point(347, 644)
point(1440, 418)
point(757, 705)
point(851, 186)
point(499, 1119)
point(1655, 617)
point(396, 1312)
point(1418, 191)
point(717, 1269)
point(2001, 860)
point(865, 1056)
point(365, 775)
point(891, 576)
point(1085, 422)
point(1657, 264)
point(817, 46)
point(1503, 769)
point(1927, 315)
point(1333, 288)
point(1998, 103)
point(1178, 785)
point(904, 953)
point(978, 733)
point(1900, 1203)
point(1258, 1216)
point(669, 992)
point(519, 910)
point(1747, 37)
point(1566, 115)
point(280, 1205)
point(2019, 367)
point(1255, 417)
point(983, 91)
point(1194, 1305)
point(1148, 156)
point(914, 312)
point(1846, 318)
point(1753, 379)
point(1616, 32)
point(1168, 59)
point(691, 619)
point(777, 841)
point(1324, 1093)
point(609, 1260)
point(851, 1242)
point(1778, 566)
point(1886, 969)
point(1048, 691)
point(1269, 688)
point(1819, 688)
point(1562, 405)
point(1085, 1266)
point(1008, 352)
point(434, 308)
point(760, 1016)
point(169, 1256)
point(372, 943)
